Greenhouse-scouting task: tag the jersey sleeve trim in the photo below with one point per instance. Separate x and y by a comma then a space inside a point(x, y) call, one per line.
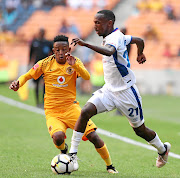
point(111, 45)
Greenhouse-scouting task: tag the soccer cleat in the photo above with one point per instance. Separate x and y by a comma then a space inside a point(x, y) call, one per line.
point(74, 158)
point(163, 158)
point(65, 150)
point(111, 169)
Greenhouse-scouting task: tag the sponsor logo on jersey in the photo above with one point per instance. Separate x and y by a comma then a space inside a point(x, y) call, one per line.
point(69, 70)
point(35, 66)
point(61, 79)
point(57, 85)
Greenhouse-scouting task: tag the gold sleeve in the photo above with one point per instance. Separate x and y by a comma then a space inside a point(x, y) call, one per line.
point(24, 78)
point(81, 70)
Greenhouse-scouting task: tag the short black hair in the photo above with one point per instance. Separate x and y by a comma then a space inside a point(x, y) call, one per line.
point(61, 38)
point(108, 14)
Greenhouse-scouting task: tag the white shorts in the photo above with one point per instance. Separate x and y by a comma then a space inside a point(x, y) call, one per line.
point(126, 101)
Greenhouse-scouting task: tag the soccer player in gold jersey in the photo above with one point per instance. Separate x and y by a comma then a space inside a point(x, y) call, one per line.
point(60, 72)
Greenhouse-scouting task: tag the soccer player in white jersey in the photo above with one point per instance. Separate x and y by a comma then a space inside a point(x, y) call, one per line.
point(119, 90)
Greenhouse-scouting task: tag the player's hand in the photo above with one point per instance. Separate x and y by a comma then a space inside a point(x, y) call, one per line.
point(70, 59)
point(78, 41)
point(141, 58)
point(14, 85)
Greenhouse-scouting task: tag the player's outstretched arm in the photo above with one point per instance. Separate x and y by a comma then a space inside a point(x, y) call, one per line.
point(107, 50)
point(15, 85)
point(140, 45)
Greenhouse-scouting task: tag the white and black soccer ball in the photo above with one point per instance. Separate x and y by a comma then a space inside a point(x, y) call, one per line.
point(62, 164)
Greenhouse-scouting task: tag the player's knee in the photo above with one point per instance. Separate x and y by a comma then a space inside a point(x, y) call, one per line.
point(92, 137)
point(58, 138)
point(95, 139)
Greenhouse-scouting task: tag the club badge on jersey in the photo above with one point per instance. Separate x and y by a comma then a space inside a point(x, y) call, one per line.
point(69, 70)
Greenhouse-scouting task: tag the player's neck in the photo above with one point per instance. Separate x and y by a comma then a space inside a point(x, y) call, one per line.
point(61, 62)
point(109, 32)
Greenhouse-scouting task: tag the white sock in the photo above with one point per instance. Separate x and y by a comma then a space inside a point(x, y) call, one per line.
point(156, 142)
point(76, 138)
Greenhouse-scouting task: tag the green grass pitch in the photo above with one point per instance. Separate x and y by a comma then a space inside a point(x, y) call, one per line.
point(26, 149)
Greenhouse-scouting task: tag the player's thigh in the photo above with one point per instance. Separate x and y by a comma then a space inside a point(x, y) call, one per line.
point(130, 104)
point(54, 124)
point(71, 115)
point(102, 101)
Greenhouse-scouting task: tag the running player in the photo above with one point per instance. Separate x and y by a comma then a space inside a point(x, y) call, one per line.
point(60, 72)
point(119, 90)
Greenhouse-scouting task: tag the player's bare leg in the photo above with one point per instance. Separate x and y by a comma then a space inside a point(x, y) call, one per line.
point(87, 112)
point(145, 132)
point(152, 138)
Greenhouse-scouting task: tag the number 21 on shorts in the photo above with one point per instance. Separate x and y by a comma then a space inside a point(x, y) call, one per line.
point(133, 111)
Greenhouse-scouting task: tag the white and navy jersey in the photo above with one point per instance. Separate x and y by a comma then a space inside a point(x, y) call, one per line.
point(117, 73)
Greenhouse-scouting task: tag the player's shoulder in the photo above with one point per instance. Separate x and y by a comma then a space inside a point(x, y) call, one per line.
point(116, 34)
point(48, 60)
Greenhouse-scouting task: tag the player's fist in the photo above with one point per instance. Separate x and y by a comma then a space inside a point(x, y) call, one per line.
point(70, 59)
point(14, 85)
point(141, 58)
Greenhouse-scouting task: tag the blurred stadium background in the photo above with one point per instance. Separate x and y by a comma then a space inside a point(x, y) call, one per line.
point(157, 21)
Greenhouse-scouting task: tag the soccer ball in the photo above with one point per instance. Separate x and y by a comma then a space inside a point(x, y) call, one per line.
point(62, 164)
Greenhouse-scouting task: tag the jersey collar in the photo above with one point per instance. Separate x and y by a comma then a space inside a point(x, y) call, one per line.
point(115, 29)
